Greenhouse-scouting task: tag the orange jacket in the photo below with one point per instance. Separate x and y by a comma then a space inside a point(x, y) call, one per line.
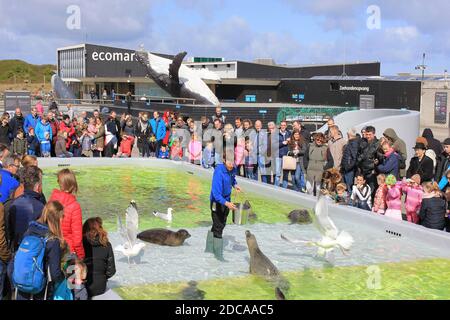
point(72, 224)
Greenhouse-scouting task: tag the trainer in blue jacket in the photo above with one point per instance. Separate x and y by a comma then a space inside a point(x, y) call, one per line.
point(8, 183)
point(159, 128)
point(31, 120)
point(224, 180)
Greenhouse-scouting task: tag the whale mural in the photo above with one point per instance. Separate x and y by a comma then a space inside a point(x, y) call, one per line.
point(177, 79)
point(61, 90)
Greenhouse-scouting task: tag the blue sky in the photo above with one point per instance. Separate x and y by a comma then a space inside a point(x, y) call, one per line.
point(290, 31)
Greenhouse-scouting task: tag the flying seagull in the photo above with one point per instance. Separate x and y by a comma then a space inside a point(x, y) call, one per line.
point(130, 247)
point(331, 238)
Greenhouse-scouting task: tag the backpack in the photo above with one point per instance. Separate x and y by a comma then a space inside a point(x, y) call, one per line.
point(62, 291)
point(29, 275)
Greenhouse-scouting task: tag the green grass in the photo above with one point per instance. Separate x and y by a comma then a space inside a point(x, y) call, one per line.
point(106, 192)
point(421, 280)
point(24, 71)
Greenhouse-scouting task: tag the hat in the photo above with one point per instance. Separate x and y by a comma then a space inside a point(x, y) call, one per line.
point(420, 146)
point(447, 142)
point(391, 180)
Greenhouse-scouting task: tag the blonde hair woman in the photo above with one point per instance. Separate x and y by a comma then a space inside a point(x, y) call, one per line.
point(48, 226)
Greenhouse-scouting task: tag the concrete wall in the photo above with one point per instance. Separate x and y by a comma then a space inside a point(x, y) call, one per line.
point(383, 226)
point(405, 123)
point(427, 119)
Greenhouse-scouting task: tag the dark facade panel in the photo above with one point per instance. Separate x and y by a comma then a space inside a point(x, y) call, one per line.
point(238, 93)
point(388, 94)
point(259, 71)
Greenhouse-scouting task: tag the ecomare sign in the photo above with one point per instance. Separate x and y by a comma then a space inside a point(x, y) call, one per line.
point(113, 56)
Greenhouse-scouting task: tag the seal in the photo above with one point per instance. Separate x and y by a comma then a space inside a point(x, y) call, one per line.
point(259, 263)
point(164, 237)
point(300, 217)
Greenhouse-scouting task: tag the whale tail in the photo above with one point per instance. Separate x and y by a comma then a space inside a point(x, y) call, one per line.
point(345, 240)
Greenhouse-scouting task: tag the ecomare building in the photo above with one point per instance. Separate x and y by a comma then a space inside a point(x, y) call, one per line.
point(265, 85)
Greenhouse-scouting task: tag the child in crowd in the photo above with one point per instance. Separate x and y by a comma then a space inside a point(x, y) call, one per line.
point(250, 161)
point(393, 199)
point(341, 194)
point(33, 143)
point(195, 150)
point(361, 194)
point(76, 274)
point(414, 194)
point(176, 151)
point(46, 146)
point(163, 152)
point(433, 212)
point(239, 156)
point(86, 144)
point(19, 144)
point(99, 256)
point(379, 203)
point(208, 156)
point(126, 146)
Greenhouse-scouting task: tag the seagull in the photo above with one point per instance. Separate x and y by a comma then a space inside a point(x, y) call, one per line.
point(167, 217)
point(130, 248)
point(331, 238)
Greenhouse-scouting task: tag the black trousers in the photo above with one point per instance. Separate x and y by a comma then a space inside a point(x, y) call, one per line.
point(219, 214)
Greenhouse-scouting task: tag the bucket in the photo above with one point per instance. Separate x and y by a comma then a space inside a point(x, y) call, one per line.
point(242, 214)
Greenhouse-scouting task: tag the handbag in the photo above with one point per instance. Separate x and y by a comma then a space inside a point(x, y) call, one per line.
point(289, 163)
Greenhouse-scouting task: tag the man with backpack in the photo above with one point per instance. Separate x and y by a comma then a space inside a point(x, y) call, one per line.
point(26, 208)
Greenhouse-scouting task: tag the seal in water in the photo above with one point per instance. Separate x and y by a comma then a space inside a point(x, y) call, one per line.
point(164, 237)
point(259, 263)
point(262, 266)
point(300, 217)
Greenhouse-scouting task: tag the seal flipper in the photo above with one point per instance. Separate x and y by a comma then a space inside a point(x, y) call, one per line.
point(174, 68)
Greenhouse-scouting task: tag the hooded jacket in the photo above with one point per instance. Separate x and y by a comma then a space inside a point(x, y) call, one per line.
point(399, 146)
point(222, 184)
point(30, 121)
point(25, 209)
point(41, 129)
point(72, 224)
point(432, 212)
point(100, 266)
point(433, 143)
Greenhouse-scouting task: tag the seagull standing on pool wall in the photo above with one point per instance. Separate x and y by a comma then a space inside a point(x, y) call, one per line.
point(131, 248)
point(331, 238)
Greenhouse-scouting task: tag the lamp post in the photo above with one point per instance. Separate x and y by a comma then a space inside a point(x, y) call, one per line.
point(422, 67)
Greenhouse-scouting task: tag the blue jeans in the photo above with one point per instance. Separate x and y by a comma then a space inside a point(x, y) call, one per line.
point(64, 156)
point(349, 178)
point(250, 173)
point(299, 178)
point(279, 172)
point(2, 278)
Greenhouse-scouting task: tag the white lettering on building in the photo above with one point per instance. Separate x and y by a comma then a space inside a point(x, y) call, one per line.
point(113, 56)
point(353, 88)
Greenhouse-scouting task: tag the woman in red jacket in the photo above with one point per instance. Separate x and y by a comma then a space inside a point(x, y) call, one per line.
point(72, 224)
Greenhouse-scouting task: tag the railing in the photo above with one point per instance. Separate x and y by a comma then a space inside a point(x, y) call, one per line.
point(139, 98)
